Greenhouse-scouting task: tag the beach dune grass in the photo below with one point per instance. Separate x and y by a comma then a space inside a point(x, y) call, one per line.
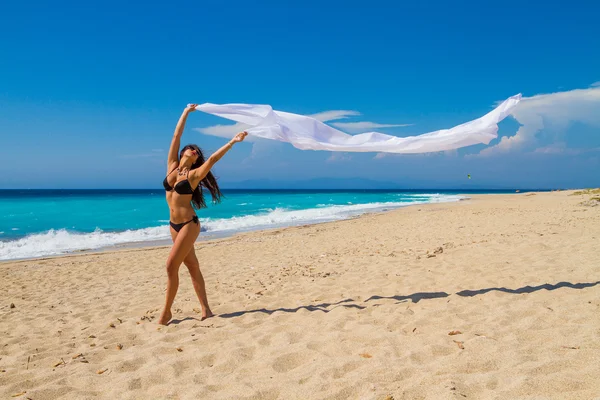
point(586, 191)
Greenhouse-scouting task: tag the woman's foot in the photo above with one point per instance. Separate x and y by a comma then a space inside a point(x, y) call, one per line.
point(165, 317)
point(206, 314)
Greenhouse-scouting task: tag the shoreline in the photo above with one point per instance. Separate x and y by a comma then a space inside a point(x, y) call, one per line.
point(162, 243)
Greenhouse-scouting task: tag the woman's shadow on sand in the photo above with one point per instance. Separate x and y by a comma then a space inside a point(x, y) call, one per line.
point(415, 298)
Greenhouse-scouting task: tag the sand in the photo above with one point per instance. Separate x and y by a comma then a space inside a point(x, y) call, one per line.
point(355, 309)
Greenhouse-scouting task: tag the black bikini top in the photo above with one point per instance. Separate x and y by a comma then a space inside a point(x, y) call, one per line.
point(181, 187)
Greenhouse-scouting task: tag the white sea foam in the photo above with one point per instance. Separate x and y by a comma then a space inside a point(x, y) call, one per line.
point(62, 241)
point(284, 217)
point(56, 242)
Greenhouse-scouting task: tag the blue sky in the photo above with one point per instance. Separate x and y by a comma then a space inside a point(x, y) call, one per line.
point(90, 92)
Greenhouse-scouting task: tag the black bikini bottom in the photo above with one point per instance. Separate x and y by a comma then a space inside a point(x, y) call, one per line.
point(177, 227)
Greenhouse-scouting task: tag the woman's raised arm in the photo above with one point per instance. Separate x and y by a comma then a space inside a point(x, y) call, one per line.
point(176, 141)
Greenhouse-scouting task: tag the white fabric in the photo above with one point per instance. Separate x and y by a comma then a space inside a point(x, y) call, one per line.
point(307, 133)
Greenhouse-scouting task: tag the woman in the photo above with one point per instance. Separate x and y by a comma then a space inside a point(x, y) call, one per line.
point(186, 174)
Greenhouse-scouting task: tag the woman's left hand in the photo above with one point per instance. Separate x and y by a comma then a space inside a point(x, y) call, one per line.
point(190, 107)
point(239, 137)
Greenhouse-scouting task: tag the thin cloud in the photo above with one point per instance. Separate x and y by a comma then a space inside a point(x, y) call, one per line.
point(364, 126)
point(338, 157)
point(561, 148)
point(262, 148)
point(446, 153)
point(334, 115)
point(224, 131)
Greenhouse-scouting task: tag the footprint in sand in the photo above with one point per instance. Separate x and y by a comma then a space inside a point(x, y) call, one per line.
point(288, 362)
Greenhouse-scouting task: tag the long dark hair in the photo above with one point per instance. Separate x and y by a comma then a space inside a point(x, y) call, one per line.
point(209, 182)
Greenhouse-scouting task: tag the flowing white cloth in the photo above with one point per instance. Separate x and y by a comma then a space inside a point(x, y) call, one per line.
point(307, 133)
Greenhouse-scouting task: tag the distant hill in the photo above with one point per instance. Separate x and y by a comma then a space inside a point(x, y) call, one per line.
point(360, 183)
point(317, 183)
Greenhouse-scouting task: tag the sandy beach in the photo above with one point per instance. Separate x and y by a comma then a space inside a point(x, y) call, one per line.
point(496, 297)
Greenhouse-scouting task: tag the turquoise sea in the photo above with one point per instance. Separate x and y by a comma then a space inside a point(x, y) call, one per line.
point(36, 223)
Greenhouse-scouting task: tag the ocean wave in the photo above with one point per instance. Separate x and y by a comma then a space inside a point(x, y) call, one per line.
point(55, 242)
point(282, 216)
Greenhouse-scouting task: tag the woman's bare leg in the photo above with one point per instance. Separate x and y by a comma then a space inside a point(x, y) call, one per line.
point(191, 262)
point(183, 241)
